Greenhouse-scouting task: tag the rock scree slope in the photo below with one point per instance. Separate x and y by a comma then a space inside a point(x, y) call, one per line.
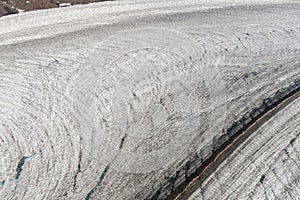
point(16, 6)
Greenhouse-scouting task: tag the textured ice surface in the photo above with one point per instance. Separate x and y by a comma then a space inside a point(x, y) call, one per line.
point(113, 98)
point(265, 166)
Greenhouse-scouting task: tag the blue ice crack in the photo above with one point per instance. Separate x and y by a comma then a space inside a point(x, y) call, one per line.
point(20, 165)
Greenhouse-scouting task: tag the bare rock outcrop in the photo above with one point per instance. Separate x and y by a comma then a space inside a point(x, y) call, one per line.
point(6, 9)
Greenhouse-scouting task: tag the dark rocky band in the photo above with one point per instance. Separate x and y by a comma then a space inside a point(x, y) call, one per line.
point(181, 179)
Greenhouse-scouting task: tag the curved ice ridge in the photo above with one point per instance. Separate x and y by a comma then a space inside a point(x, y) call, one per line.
point(186, 172)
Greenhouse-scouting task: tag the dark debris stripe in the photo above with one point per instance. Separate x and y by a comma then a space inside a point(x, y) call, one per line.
point(181, 187)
